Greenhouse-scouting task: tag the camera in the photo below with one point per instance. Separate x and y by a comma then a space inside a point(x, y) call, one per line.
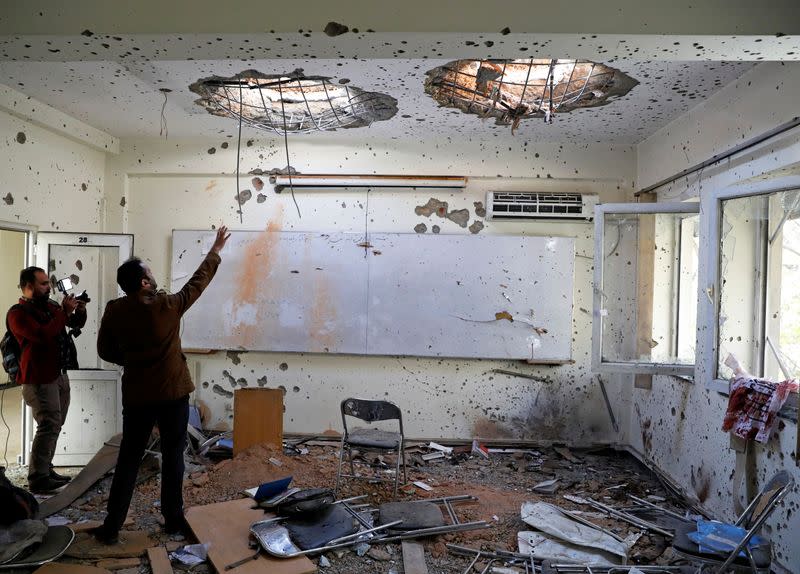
point(65, 285)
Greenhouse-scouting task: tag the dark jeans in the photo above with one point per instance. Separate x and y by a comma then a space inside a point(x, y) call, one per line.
point(49, 404)
point(137, 425)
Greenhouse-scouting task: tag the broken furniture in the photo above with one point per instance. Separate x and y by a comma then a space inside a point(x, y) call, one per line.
point(101, 463)
point(741, 557)
point(55, 542)
point(419, 518)
point(564, 536)
point(257, 418)
point(226, 527)
point(342, 524)
point(334, 526)
point(365, 439)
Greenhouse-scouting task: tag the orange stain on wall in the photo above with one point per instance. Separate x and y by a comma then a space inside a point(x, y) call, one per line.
point(259, 257)
point(323, 313)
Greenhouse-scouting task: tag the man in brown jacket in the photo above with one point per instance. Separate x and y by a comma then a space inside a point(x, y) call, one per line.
point(141, 332)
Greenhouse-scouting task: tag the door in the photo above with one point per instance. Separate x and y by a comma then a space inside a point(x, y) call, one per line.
point(90, 260)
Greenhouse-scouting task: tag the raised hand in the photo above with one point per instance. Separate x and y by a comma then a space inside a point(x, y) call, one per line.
point(220, 239)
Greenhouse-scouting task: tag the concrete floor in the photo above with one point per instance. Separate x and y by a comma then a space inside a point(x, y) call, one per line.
point(10, 426)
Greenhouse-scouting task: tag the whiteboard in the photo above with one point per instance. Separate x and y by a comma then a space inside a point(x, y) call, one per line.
point(476, 296)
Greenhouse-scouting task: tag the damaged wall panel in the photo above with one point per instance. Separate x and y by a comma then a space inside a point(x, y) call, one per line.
point(677, 425)
point(439, 397)
point(391, 294)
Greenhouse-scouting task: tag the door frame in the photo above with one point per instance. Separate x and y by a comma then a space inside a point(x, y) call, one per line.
point(40, 251)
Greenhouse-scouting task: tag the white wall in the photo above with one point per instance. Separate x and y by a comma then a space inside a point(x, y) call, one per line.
point(677, 424)
point(56, 183)
point(178, 184)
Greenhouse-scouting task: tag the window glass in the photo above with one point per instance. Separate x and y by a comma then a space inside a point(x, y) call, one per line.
point(649, 292)
point(759, 278)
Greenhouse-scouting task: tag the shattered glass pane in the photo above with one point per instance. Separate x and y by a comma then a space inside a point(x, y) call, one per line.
point(759, 314)
point(649, 288)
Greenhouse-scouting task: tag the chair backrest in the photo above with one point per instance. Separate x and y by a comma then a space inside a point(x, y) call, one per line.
point(370, 411)
point(776, 488)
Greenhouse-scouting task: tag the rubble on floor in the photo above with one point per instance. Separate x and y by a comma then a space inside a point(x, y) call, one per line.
point(504, 480)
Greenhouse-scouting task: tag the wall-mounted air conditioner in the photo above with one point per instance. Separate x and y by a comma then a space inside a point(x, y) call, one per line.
point(522, 205)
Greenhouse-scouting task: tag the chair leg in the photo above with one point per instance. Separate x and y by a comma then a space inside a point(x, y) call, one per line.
point(397, 473)
point(339, 469)
point(350, 458)
point(405, 471)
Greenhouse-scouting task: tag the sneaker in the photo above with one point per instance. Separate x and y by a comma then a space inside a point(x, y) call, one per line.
point(59, 477)
point(103, 536)
point(44, 485)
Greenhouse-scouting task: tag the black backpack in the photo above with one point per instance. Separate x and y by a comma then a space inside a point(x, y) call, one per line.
point(11, 350)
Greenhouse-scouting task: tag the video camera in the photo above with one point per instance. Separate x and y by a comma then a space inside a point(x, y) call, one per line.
point(65, 285)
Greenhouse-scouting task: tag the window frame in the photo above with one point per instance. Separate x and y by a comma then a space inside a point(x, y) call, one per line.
point(711, 278)
point(598, 364)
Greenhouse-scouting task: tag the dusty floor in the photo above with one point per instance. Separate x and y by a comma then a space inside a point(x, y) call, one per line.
point(502, 483)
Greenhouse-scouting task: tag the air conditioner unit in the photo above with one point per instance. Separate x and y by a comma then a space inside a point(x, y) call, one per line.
point(522, 205)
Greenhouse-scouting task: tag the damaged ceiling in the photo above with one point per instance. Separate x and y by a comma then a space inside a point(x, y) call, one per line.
point(119, 74)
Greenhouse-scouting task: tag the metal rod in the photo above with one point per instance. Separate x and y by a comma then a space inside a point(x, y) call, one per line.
point(522, 375)
point(630, 518)
point(651, 505)
point(608, 405)
point(582, 520)
point(474, 560)
point(437, 530)
point(781, 363)
point(791, 124)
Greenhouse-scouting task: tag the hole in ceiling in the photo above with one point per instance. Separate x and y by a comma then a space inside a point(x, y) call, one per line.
point(293, 102)
point(510, 90)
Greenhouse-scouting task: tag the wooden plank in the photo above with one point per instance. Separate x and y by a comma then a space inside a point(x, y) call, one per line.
point(101, 463)
point(131, 543)
point(226, 527)
point(119, 563)
point(257, 418)
point(58, 568)
point(414, 558)
point(159, 561)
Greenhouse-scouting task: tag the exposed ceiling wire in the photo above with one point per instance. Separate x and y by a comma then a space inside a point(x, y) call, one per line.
point(286, 147)
point(307, 104)
point(163, 130)
point(238, 156)
point(511, 90)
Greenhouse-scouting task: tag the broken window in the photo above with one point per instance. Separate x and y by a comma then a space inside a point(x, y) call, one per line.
point(510, 90)
point(292, 103)
point(759, 283)
point(645, 299)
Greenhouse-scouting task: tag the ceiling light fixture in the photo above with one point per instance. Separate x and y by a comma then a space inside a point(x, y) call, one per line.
point(510, 90)
point(325, 181)
point(292, 103)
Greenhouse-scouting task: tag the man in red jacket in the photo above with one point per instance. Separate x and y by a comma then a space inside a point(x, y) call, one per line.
point(141, 332)
point(39, 325)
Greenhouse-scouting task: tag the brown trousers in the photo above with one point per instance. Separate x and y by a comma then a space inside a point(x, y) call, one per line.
point(49, 403)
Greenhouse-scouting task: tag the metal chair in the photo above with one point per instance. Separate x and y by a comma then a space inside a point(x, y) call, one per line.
point(371, 438)
point(756, 560)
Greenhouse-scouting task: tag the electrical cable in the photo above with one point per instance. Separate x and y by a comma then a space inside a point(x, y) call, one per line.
point(238, 155)
point(8, 429)
point(286, 147)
